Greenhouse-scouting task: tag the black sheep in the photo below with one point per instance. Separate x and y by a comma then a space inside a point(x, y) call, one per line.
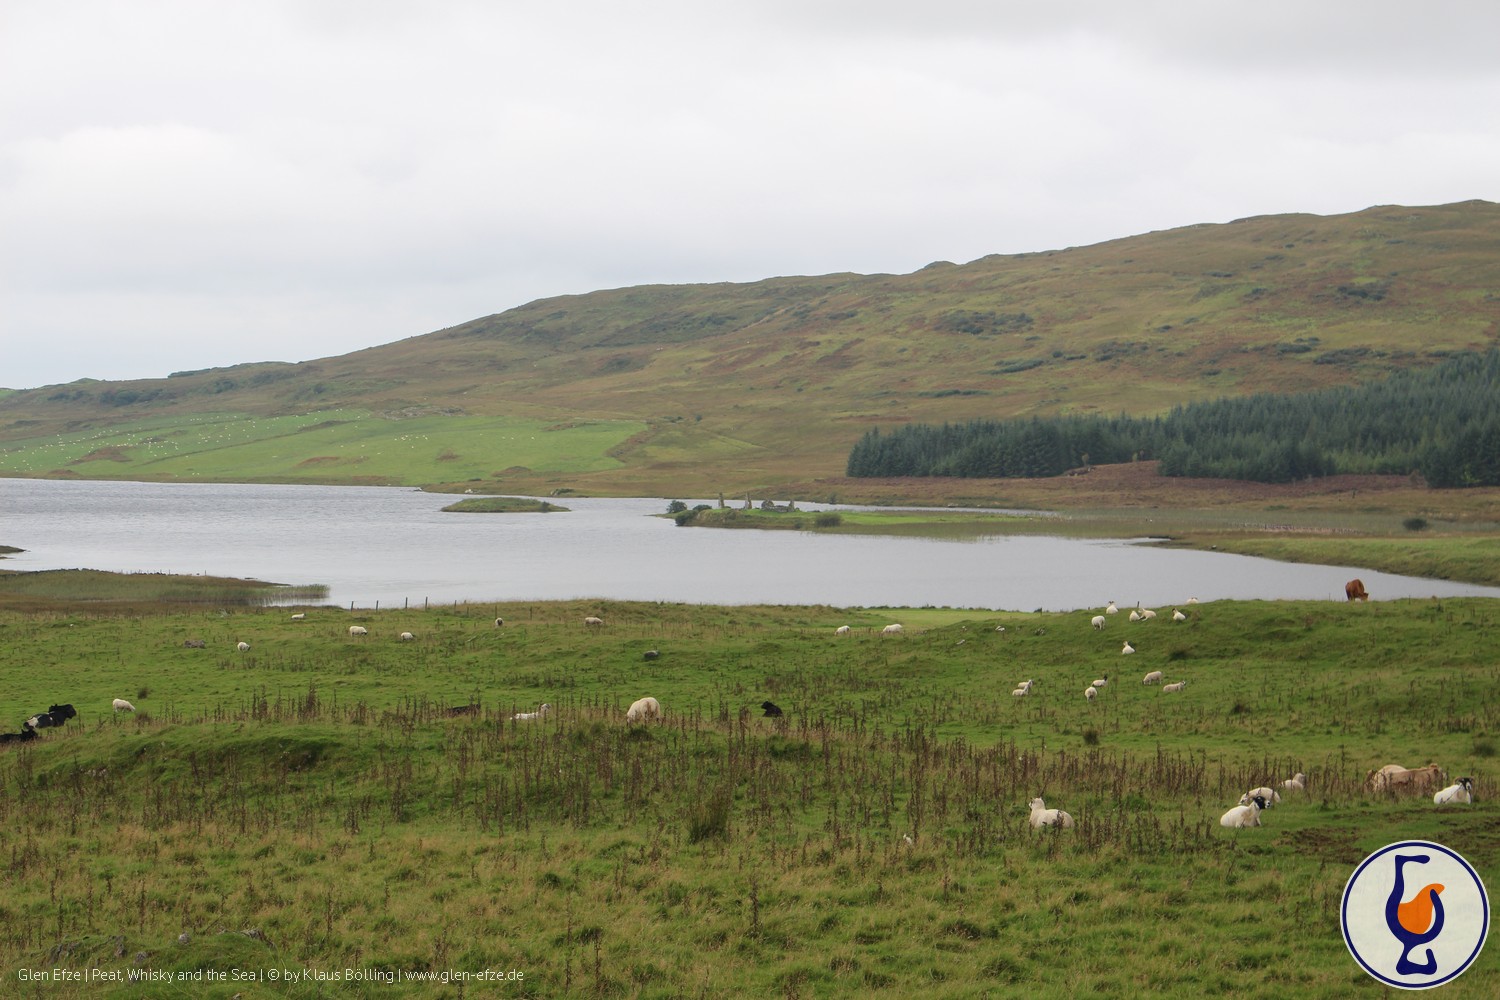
point(772, 711)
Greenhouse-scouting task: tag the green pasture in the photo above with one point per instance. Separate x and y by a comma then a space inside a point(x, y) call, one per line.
point(317, 804)
point(325, 446)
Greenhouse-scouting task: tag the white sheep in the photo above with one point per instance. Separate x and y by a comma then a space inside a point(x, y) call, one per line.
point(1154, 677)
point(1135, 616)
point(1147, 614)
point(841, 630)
point(1111, 610)
point(1091, 692)
point(593, 622)
point(1019, 692)
point(1042, 816)
point(1025, 685)
point(891, 630)
point(525, 716)
point(643, 710)
point(407, 637)
point(1192, 600)
point(243, 647)
point(1127, 649)
point(1461, 792)
point(1295, 783)
point(1178, 616)
point(1244, 816)
point(499, 622)
point(1270, 796)
point(299, 616)
point(1172, 688)
point(358, 630)
point(1101, 681)
point(1097, 621)
point(121, 705)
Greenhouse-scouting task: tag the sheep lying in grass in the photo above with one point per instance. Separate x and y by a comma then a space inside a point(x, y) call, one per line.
point(1101, 682)
point(407, 637)
point(528, 716)
point(1269, 795)
point(593, 622)
point(1111, 610)
point(1295, 783)
point(1042, 816)
point(299, 616)
point(841, 630)
point(1173, 688)
point(243, 647)
point(1025, 685)
point(1463, 792)
point(1244, 816)
point(1178, 616)
point(643, 710)
point(1127, 649)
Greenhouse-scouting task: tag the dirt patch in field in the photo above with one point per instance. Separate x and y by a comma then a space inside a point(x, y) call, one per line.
point(109, 454)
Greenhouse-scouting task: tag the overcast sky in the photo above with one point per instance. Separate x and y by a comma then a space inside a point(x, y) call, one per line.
point(193, 183)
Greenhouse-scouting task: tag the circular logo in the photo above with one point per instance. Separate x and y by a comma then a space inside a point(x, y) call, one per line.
point(1415, 914)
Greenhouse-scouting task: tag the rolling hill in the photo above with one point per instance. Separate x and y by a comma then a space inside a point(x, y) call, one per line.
point(696, 389)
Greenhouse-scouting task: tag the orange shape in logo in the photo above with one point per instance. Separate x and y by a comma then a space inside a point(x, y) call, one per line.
point(1416, 914)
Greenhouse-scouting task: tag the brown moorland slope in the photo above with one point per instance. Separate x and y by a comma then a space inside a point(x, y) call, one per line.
point(749, 386)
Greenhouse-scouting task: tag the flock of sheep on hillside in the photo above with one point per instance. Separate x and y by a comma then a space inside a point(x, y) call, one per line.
point(1246, 813)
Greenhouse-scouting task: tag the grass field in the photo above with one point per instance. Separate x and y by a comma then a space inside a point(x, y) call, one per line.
point(316, 804)
point(322, 446)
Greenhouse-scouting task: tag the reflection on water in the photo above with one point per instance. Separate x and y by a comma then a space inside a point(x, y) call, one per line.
point(389, 546)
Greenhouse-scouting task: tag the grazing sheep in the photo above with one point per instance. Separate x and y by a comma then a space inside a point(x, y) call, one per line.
point(770, 710)
point(1111, 610)
point(650, 654)
point(1019, 693)
point(1269, 796)
point(1295, 783)
point(1127, 649)
point(499, 622)
point(891, 630)
point(121, 705)
point(1394, 777)
point(1154, 677)
point(1042, 816)
point(355, 630)
point(1091, 692)
point(299, 616)
point(243, 647)
point(1461, 792)
point(1025, 685)
point(542, 710)
point(1178, 616)
point(593, 622)
point(841, 630)
point(1173, 687)
point(643, 710)
point(1097, 621)
point(407, 637)
point(1244, 816)
point(1101, 681)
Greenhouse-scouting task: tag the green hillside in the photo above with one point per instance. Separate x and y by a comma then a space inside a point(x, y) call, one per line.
point(697, 389)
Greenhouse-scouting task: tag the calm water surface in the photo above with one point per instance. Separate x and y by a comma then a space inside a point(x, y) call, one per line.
point(389, 546)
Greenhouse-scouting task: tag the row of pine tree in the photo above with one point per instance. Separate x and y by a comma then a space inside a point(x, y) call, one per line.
point(1440, 422)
